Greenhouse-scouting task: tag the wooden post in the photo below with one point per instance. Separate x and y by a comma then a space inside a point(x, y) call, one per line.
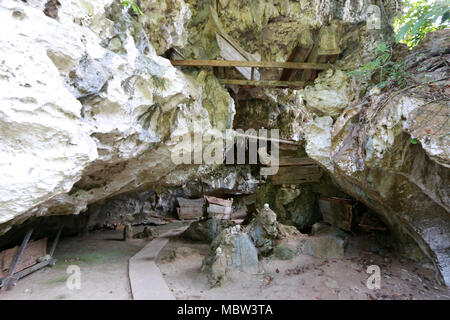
point(127, 232)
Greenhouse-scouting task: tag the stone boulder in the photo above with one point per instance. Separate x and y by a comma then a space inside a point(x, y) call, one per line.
point(206, 230)
point(232, 252)
point(263, 229)
point(330, 94)
point(294, 204)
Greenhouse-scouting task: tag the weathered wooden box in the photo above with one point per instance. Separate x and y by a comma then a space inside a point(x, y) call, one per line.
point(190, 209)
point(219, 208)
point(337, 212)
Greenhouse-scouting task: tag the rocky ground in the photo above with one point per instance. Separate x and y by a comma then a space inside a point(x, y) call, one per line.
point(302, 277)
point(103, 261)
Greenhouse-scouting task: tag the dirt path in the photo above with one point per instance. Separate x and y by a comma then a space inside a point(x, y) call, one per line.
point(103, 262)
point(146, 280)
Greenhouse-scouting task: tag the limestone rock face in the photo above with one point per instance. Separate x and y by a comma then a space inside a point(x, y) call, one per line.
point(236, 180)
point(165, 23)
point(44, 146)
point(91, 110)
point(330, 94)
point(391, 151)
point(263, 230)
point(272, 29)
point(294, 204)
point(318, 140)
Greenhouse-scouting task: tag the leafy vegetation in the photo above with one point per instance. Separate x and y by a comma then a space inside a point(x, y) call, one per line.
point(385, 70)
point(133, 5)
point(421, 17)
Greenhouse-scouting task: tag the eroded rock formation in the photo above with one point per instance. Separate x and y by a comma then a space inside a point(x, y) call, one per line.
point(390, 151)
point(92, 110)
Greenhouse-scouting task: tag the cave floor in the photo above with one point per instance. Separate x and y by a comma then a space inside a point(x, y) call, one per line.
point(103, 261)
point(303, 277)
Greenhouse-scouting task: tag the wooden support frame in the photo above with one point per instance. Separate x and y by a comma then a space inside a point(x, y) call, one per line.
point(254, 64)
point(11, 279)
point(263, 83)
point(310, 67)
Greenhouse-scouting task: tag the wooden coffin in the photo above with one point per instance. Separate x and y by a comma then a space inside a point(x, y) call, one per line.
point(190, 209)
point(219, 201)
point(296, 175)
point(219, 208)
point(337, 212)
point(33, 251)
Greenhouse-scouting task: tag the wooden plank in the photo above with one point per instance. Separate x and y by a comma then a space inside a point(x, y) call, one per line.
point(218, 209)
point(229, 52)
point(33, 250)
point(189, 213)
point(288, 146)
point(299, 54)
point(310, 74)
point(217, 25)
point(294, 161)
point(190, 208)
point(183, 202)
point(291, 145)
point(296, 175)
point(263, 83)
point(326, 46)
point(254, 64)
point(277, 181)
point(337, 212)
point(298, 171)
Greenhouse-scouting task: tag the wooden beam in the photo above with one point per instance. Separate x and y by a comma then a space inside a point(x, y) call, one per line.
point(264, 83)
point(296, 175)
point(298, 55)
point(295, 161)
point(294, 144)
point(255, 64)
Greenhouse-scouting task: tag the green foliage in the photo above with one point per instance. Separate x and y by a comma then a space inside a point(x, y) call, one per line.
point(421, 17)
point(133, 5)
point(414, 141)
point(387, 71)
